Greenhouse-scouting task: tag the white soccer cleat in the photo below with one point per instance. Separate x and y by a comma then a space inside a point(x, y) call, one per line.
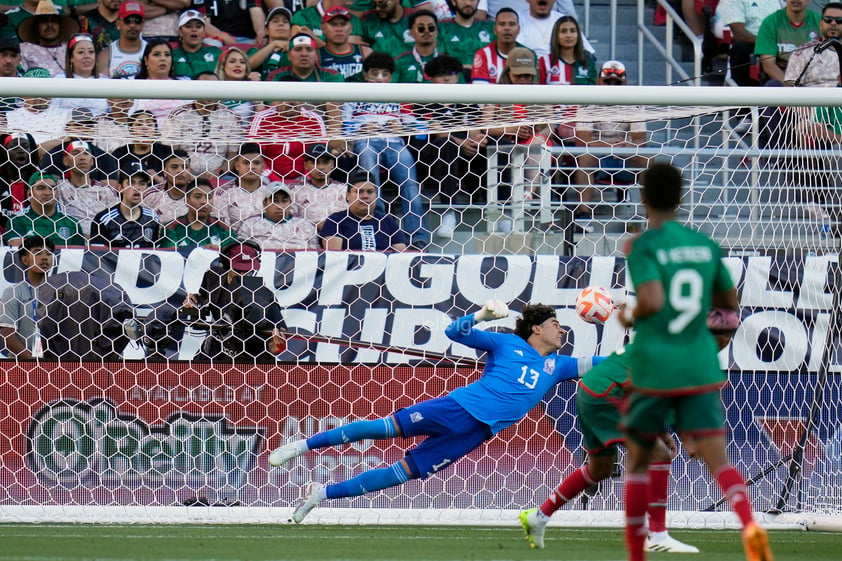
point(668, 544)
point(312, 497)
point(285, 453)
point(534, 527)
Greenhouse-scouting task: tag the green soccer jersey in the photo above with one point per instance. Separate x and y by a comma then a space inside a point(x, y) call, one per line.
point(464, 42)
point(318, 75)
point(608, 378)
point(409, 67)
point(60, 228)
point(278, 59)
point(312, 17)
point(385, 36)
point(778, 37)
point(178, 233)
point(192, 64)
point(674, 351)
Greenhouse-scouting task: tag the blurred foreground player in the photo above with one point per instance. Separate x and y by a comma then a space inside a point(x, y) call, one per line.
point(678, 276)
point(521, 368)
point(598, 403)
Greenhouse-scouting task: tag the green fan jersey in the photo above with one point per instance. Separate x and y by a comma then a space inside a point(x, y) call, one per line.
point(778, 37)
point(464, 42)
point(312, 17)
point(385, 36)
point(409, 67)
point(178, 233)
point(278, 59)
point(674, 352)
point(60, 228)
point(192, 64)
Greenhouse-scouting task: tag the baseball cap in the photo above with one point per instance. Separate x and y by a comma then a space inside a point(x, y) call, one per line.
point(275, 11)
point(130, 9)
point(316, 151)
point(188, 16)
point(336, 12)
point(613, 69)
point(39, 176)
point(276, 187)
point(301, 39)
point(9, 44)
point(244, 257)
point(521, 61)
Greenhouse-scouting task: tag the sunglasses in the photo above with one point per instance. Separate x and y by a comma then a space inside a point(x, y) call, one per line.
point(428, 29)
point(831, 19)
point(136, 20)
point(614, 72)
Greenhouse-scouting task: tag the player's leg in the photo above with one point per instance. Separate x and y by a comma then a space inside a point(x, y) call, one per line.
point(385, 427)
point(702, 416)
point(659, 478)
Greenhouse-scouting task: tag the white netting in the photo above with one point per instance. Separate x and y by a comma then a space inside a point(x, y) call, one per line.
point(134, 416)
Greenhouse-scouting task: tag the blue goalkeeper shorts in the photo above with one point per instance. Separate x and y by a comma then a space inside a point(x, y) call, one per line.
point(450, 430)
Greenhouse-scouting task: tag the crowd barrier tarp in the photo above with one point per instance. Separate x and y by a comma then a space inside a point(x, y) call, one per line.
point(161, 433)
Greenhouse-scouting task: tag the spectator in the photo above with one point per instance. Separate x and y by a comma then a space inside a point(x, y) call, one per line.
point(129, 223)
point(81, 63)
point(743, 18)
point(303, 63)
point(567, 62)
point(783, 32)
point(607, 169)
point(339, 52)
point(277, 228)
point(490, 60)
point(81, 127)
point(144, 152)
point(241, 197)
point(122, 58)
point(809, 68)
point(424, 28)
point(192, 57)
point(361, 227)
point(385, 27)
point(167, 199)
point(519, 69)
point(273, 55)
point(10, 66)
point(234, 65)
point(280, 130)
point(246, 315)
point(465, 34)
point(44, 38)
point(319, 196)
point(380, 124)
point(112, 129)
point(537, 22)
point(101, 23)
point(311, 20)
point(198, 227)
point(208, 131)
point(156, 64)
point(16, 15)
point(81, 197)
point(42, 217)
point(18, 322)
point(235, 22)
point(18, 164)
point(455, 159)
point(38, 116)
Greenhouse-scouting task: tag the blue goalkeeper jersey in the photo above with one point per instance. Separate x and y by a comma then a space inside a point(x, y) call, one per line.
point(515, 378)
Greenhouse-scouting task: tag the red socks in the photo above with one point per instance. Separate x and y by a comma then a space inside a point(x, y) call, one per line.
point(734, 487)
point(572, 485)
point(659, 481)
point(637, 498)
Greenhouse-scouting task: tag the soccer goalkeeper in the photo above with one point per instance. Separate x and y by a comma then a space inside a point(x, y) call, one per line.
point(598, 400)
point(520, 369)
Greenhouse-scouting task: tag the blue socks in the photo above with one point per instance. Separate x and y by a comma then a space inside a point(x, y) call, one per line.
point(353, 432)
point(369, 481)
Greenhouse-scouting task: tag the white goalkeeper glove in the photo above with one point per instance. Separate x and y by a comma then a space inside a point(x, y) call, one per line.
point(492, 309)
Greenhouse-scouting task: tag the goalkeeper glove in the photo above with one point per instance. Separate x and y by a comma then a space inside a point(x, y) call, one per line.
point(492, 309)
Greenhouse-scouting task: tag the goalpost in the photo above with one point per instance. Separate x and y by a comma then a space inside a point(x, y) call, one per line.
point(136, 439)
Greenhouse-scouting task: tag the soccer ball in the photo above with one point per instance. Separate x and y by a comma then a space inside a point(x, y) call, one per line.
point(594, 304)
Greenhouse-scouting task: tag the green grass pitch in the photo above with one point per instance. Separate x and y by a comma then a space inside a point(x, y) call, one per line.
point(51, 542)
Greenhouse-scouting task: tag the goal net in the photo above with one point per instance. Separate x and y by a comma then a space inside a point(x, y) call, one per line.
point(142, 409)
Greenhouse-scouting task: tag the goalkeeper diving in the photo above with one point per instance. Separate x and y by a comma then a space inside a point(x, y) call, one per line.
point(519, 370)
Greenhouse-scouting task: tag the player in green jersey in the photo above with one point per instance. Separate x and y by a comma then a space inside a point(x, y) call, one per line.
point(678, 276)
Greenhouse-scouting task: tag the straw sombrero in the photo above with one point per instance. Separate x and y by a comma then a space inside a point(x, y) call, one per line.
point(28, 29)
